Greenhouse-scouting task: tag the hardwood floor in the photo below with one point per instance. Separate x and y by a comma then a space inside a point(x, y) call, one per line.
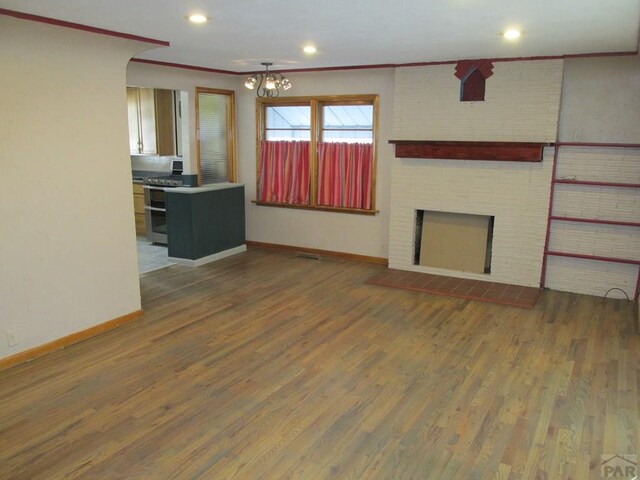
point(269, 366)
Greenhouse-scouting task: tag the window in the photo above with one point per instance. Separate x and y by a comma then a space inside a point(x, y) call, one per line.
point(317, 152)
point(289, 123)
point(215, 124)
point(347, 123)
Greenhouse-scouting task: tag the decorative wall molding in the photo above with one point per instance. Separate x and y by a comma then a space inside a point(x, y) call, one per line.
point(80, 26)
point(463, 68)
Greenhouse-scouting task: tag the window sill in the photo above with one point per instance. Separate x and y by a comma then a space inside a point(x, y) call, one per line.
point(357, 211)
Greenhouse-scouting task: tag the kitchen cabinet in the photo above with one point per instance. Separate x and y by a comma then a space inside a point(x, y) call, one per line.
point(152, 124)
point(138, 209)
point(165, 122)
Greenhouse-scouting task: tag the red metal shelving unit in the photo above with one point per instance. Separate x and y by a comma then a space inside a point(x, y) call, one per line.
point(595, 220)
point(551, 217)
point(598, 184)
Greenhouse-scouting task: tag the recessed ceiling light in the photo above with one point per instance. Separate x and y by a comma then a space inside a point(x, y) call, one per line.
point(511, 34)
point(309, 49)
point(197, 18)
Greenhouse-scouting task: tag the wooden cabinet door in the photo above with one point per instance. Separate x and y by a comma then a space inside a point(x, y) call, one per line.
point(134, 120)
point(165, 122)
point(148, 121)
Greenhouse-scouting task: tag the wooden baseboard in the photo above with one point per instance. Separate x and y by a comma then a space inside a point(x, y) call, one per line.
point(316, 251)
point(63, 342)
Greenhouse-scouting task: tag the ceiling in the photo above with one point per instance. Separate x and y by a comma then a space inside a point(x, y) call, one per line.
point(242, 33)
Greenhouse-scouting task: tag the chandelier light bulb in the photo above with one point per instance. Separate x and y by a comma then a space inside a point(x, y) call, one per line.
point(270, 82)
point(251, 82)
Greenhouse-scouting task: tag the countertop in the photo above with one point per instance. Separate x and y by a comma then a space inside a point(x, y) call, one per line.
point(206, 188)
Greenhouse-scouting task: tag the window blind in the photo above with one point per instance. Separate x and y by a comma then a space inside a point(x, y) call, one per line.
point(213, 115)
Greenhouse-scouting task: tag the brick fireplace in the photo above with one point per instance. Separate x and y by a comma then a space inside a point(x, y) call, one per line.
point(515, 194)
point(457, 174)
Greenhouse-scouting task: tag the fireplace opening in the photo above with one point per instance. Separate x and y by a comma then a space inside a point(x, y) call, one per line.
point(453, 241)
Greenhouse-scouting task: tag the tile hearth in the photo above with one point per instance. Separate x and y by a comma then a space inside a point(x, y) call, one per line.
point(504, 294)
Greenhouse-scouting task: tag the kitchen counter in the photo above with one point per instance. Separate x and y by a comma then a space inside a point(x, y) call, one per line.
point(205, 223)
point(207, 188)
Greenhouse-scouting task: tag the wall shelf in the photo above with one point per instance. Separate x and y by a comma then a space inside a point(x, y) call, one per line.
point(596, 220)
point(453, 150)
point(597, 184)
point(551, 217)
point(593, 257)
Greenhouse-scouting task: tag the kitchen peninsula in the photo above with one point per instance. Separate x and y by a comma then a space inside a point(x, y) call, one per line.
point(207, 223)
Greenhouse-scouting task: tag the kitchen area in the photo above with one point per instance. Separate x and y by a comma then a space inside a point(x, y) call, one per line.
point(159, 148)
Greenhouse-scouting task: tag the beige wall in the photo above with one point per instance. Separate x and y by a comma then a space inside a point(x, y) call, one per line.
point(600, 99)
point(67, 238)
point(358, 234)
point(350, 233)
point(521, 104)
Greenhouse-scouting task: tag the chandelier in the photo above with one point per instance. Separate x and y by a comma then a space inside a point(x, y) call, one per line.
point(267, 84)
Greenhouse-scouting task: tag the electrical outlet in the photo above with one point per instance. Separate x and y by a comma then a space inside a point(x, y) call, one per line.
point(12, 338)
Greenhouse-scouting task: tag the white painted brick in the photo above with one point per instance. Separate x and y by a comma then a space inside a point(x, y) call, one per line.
point(522, 100)
point(592, 239)
point(517, 194)
point(599, 164)
point(521, 104)
point(591, 277)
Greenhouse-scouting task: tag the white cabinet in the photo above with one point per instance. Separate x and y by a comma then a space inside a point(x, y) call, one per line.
point(154, 121)
point(142, 120)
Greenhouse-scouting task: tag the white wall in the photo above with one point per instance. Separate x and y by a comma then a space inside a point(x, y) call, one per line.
point(600, 100)
point(67, 237)
point(342, 232)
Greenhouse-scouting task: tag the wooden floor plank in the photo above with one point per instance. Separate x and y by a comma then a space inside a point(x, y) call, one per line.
point(269, 366)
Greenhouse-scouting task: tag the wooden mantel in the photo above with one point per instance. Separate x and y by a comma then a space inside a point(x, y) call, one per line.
point(498, 151)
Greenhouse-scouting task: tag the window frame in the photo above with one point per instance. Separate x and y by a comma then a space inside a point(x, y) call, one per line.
point(316, 103)
point(232, 165)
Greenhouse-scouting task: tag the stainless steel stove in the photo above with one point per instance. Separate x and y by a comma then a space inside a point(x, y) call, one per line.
point(169, 180)
point(155, 206)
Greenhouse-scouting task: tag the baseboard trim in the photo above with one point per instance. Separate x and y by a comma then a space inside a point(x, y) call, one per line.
point(67, 341)
point(210, 258)
point(317, 251)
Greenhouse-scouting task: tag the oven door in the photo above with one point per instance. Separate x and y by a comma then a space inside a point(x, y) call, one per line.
point(156, 222)
point(154, 197)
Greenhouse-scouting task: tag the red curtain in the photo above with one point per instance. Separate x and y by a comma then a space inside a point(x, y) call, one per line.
point(284, 172)
point(345, 174)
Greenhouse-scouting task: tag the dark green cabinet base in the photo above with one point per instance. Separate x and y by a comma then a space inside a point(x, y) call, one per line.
point(205, 221)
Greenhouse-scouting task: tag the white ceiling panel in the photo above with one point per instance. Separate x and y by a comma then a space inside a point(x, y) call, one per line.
point(241, 34)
